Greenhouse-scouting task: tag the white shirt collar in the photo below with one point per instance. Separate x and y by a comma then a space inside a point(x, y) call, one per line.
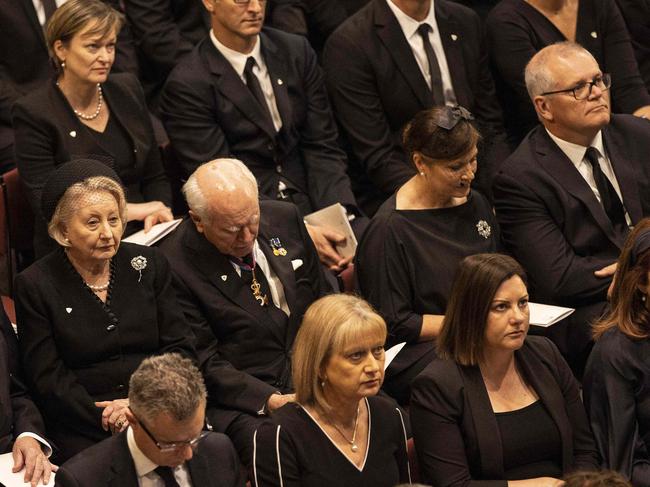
point(575, 152)
point(143, 465)
point(236, 59)
point(408, 24)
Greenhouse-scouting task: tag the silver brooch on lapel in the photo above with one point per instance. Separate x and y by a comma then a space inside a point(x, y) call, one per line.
point(484, 229)
point(139, 263)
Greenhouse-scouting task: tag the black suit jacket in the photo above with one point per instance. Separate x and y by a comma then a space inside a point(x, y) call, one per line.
point(637, 18)
point(24, 61)
point(209, 112)
point(376, 87)
point(456, 431)
point(110, 464)
point(18, 414)
point(245, 355)
point(48, 133)
point(76, 351)
point(555, 227)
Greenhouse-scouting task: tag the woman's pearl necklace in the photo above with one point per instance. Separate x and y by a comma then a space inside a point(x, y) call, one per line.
point(100, 102)
point(99, 288)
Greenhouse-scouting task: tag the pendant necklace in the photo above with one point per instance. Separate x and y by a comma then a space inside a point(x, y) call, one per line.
point(352, 442)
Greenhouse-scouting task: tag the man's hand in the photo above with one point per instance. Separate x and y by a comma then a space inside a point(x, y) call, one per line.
point(607, 271)
point(643, 112)
point(325, 240)
point(113, 416)
point(150, 213)
point(276, 401)
point(27, 454)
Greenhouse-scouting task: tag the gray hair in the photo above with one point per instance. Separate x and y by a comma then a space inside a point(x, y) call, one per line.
point(169, 384)
point(68, 204)
point(539, 78)
point(225, 175)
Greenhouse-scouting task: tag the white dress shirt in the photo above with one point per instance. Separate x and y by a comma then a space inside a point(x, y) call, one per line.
point(275, 285)
point(144, 468)
point(238, 61)
point(410, 29)
point(40, 11)
point(576, 154)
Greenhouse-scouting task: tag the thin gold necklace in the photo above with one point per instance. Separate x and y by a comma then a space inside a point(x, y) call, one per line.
point(352, 442)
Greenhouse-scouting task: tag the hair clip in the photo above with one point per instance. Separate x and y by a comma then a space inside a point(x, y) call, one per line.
point(450, 116)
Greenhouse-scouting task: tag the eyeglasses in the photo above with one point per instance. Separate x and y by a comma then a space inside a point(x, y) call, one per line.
point(177, 445)
point(582, 91)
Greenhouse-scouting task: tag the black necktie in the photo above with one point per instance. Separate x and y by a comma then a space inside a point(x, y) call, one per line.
point(49, 6)
point(608, 196)
point(256, 90)
point(434, 68)
point(167, 475)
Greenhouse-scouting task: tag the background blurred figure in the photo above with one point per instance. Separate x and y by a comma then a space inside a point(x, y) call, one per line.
point(24, 59)
point(87, 113)
point(617, 377)
point(165, 444)
point(339, 432)
point(517, 29)
point(497, 406)
point(89, 312)
point(600, 478)
point(408, 256)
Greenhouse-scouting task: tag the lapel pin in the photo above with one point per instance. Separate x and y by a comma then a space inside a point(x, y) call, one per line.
point(277, 247)
point(594, 34)
point(224, 277)
point(73, 133)
point(454, 37)
point(69, 310)
point(280, 82)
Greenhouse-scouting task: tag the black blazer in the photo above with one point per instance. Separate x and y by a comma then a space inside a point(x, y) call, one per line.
point(18, 414)
point(244, 354)
point(24, 60)
point(48, 133)
point(209, 112)
point(637, 19)
point(552, 222)
point(109, 464)
point(376, 87)
point(76, 351)
point(516, 31)
point(456, 433)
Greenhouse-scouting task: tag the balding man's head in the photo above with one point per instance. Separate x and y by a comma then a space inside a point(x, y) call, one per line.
point(223, 199)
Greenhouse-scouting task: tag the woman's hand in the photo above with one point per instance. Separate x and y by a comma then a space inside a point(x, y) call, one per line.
point(113, 417)
point(28, 454)
point(150, 213)
point(537, 482)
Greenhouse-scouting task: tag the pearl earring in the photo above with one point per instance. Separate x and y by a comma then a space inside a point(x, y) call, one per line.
point(421, 173)
point(643, 297)
point(62, 64)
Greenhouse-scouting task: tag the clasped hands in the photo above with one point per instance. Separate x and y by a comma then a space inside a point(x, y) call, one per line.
point(325, 240)
point(113, 416)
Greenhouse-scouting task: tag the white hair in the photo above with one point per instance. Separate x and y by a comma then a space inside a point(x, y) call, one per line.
point(222, 175)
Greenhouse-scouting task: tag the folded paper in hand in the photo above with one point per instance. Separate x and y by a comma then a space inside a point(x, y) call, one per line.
point(156, 233)
point(546, 314)
point(335, 217)
point(10, 479)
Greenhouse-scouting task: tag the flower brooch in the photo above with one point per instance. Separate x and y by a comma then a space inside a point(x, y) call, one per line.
point(483, 229)
point(139, 263)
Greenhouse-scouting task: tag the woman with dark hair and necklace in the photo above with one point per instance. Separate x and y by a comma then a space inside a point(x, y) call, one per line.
point(87, 112)
point(338, 432)
point(497, 408)
point(90, 311)
point(409, 253)
point(617, 377)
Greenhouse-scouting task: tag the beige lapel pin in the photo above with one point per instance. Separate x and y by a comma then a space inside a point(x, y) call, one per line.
point(454, 37)
point(224, 277)
point(73, 133)
point(280, 82)
point(69, 310)
point(594, 34)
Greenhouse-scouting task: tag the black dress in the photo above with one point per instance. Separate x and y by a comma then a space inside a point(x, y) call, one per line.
point(405, 265)
point(617, 396)
point(517, 30)
point(293, 450)
point(77, 349)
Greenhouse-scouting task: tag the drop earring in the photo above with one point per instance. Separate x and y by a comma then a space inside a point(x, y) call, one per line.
point(62, 64)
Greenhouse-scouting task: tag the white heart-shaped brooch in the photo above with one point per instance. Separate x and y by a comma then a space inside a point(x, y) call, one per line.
point(454, 37)
point(73, 133)
point(69, 310)
point(224, 277)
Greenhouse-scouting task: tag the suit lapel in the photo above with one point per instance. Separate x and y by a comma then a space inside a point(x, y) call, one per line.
point(391, 35)
point(279, 74)
point(624, 175)
point(560, 167)
point(488, 438)
point(30, 12)
point(452, 45)
point(199, 470)
point(280, 264)
point(220, 272)
point(122, 467)
point(233, 88)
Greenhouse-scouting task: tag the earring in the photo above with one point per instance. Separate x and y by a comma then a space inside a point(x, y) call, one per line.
point(643, 297)
point(421, 173)
point(62, 64)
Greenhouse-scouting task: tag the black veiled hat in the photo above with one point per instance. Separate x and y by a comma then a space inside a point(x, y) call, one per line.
point(66, 175)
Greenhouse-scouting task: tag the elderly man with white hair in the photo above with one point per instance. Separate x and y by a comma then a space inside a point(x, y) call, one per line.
point(245, 271)
point(566, 198)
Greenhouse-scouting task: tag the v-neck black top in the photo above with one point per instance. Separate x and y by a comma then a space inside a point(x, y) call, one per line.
point(293, 450)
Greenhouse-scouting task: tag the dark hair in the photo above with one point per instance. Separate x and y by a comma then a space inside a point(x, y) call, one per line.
point(73, 16)
point(627, 303)
point(477, 280)
point(596, 478)
point(424, 134)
